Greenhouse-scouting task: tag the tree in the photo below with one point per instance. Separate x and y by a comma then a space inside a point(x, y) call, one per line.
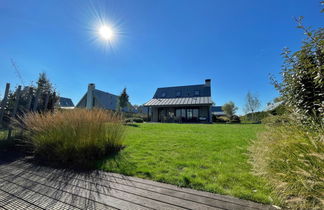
point(302, 82)
point(252, 104)
point(229, 109)
point(123, 99)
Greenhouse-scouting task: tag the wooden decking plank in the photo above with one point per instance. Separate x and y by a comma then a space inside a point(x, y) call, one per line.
point(69, 198)
point(124, 203)
point(163, 201)
point(171, 197)
point(219, 197)
point(35, 198)
point(142, 193)
point(144, 201)
point(15, 202)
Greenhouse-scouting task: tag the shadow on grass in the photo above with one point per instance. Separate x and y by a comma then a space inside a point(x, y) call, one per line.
point(26, 177)
point(132, 125)
point(118, 163)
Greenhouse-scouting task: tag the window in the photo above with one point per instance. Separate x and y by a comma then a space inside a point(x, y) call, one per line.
point(197, 93)
point(178, 94)
point(163, 94)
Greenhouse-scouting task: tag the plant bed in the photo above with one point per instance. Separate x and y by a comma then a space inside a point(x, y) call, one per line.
point(74, 138)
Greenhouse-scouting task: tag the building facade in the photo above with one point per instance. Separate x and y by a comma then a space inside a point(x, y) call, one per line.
point(182, 104)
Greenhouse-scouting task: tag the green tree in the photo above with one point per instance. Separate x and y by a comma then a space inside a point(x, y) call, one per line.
point(252, 104)
point(123, 99)
point(229, 109)
point(302, 84)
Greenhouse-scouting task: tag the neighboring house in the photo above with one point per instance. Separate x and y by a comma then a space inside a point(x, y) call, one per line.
point(272, 106)
point(190, 103)
point(218, 111)
point(141, 109)
point(65, 103)
point(94, 98)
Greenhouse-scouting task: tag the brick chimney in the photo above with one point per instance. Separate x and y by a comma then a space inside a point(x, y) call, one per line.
point(91, 88)
point(207, 82)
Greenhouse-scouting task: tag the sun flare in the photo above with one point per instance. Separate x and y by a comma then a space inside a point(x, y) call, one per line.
point(106, 32)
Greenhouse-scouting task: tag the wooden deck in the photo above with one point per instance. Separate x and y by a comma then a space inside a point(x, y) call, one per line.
point(24, 185)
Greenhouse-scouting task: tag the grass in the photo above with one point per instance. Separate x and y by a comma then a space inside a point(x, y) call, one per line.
point(291, 157)
point(201, 156)
point(73, 138)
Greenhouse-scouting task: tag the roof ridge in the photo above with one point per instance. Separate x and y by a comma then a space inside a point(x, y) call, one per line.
point(182, 86)
point(105, 92)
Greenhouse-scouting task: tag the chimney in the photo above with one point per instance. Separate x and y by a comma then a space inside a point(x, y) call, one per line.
point(207, 82)
point(91, 88)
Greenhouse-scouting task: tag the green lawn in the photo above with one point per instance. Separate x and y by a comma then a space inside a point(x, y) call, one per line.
point(204, 157)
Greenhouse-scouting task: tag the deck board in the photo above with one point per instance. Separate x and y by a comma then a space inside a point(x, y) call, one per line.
point(24, 185)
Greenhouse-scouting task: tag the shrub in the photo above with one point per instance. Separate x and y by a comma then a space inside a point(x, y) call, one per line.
point(291, 158)
point(302, 85)
point(235, 119)
point(220, 119)
point(136, 120)
point(75, 138)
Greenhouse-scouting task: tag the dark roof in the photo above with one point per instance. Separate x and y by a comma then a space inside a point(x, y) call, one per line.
point(106, 100)
point(217, 109)
point(183, 91)
point(66, 102)
point(179, 101)
point(109, 101)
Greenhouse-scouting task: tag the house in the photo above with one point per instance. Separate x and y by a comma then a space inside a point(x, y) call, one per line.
point(65, 103)
point(94, 98)
point(190, 103)
point(218, 111)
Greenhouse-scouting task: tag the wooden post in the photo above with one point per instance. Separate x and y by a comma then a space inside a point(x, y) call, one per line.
point(46, 101)
point(38, 92)
point(4, 102)
point(14, 111)
point(30, 98)
point(53, 101)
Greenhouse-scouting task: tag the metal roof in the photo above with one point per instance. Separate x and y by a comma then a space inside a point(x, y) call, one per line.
point(183, 91)
point(179, 101)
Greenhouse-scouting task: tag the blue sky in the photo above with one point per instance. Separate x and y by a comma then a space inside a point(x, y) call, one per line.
point(157, 43)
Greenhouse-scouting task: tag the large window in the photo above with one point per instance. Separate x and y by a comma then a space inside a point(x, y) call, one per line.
point(187, 115)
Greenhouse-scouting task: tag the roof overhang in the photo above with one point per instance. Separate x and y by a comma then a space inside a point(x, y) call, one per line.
point(189, 101)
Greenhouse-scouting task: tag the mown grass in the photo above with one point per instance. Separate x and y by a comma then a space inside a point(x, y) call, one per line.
point(205, 157)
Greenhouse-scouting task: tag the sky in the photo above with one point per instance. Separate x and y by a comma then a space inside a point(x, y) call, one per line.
point(156, 43)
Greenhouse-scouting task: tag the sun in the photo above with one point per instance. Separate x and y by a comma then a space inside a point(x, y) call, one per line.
point(106, 32)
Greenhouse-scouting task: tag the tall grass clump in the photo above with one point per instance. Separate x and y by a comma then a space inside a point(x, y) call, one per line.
point(75, 138)
point(291, 157)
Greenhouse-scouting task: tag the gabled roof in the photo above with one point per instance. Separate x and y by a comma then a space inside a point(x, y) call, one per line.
point(106, 100)
point(183, 91)
point(179, 101)
point(66, 102)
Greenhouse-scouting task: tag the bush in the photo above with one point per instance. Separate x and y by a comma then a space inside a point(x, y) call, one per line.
point(291, 158)
point(220, 119)
point(136, 120)
point(75, 138)
point(235, 119)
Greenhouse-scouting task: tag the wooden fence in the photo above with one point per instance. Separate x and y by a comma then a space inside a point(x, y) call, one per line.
point(11, 107)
